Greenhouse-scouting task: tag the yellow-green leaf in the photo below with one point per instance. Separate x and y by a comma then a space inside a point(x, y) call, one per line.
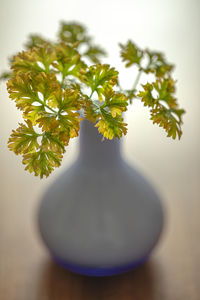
point(23, 139)
point(37, 59)
point(41, 163)
point(100, 77)
point(94, 53)
point(115, 101)
point(111, 127)
point(68, 61)
point(29, 89)
point(131, 54)
point(159, 96)
point(157, 64)
point(73, 32)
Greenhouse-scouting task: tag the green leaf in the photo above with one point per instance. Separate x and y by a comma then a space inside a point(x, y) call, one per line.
point(91, 110)
point(63, 126)
point(108, 114)
point(25, 62)
point(131, 54)
point(35, 40)
point(94, 53)
point(5, 76)
point(21, 90)
point(111, 127)
point(66, 123)
point(69, 124)
point(48, 122)
point(39, 157)
point(71, 101)
point(164, 108)
point(68, 61)
point(42, 163)
point(115, 101)
point(100, 77)
point(24, 88)
point(169, 119)
point(165, 89)
point(51, 142)
point(24, 139)
point(49, 83)
point(147, 96)
point(73, 33)
point(37, 59)
point(157, 64)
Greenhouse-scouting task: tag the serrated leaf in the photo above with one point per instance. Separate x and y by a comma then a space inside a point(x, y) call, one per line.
point(47, 122)
point(108, 113)
point(66, 123)
point(146, 95)
point(33, 113)
point(23, 139)
point(64, 126)
point(73, 33)
point(94, 53)
point(111, 127)
point(164, 118)
point(100, 77)
point(166, 88)
point(37, 59)
point(131, 54)
point(115, 101)
point(164, 109)
point(71, 100)
point(24, 89)
point(20, 89)
point(69, 61)
point(51, 142)
point(71, 124)
point(25, 62)
point(35, 40)
point(40, 157)
point(42, 163)
point(91, 110)
point(157, 64)
point(5, 76)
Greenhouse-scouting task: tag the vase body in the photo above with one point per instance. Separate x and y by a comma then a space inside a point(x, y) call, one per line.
point(100, 217)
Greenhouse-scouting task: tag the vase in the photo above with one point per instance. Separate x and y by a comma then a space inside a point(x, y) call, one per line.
point(100, 217)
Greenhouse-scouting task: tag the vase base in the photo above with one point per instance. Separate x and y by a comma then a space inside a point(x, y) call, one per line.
point(99, 272)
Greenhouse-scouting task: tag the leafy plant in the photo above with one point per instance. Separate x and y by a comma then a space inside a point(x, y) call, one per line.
point(57, 84)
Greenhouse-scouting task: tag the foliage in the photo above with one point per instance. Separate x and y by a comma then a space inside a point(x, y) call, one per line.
point(56, 84)
point(164, 109)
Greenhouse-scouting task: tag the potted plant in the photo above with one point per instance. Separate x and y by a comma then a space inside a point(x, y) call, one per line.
point(101, 216)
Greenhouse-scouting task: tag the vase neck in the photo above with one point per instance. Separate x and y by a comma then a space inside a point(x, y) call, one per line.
point(95, 151)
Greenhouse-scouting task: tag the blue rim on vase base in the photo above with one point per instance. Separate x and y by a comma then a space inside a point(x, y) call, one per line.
point(89, 271)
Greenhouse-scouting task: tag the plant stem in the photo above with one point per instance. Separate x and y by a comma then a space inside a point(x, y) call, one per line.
point(47, 106)
point(137, 80)
point(62, 82)
point(92, 92)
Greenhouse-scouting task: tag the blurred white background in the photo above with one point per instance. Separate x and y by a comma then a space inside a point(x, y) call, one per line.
point(170, 26)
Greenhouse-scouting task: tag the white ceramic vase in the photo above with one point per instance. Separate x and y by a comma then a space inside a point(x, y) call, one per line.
point(101, 216)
